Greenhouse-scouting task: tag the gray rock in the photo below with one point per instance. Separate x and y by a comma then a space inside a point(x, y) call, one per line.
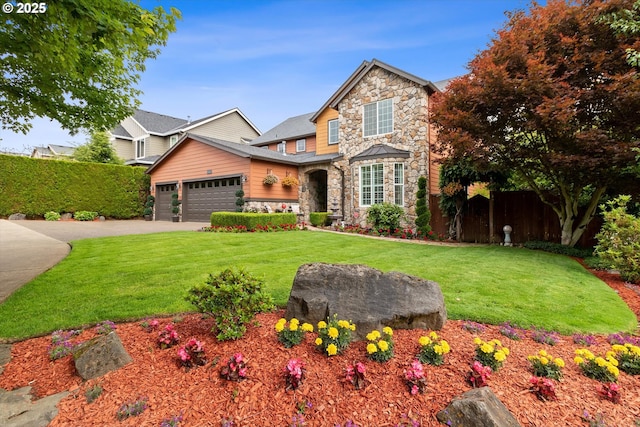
point(101, 218)
point(5, 355)
point(365, 296)
point(18, 410)
point(17, 217)
point(477, 408)
point(100, 355)
point(66, 216)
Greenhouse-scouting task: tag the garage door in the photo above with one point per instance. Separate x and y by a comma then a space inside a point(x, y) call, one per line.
point(203, 197)
point(163, 201)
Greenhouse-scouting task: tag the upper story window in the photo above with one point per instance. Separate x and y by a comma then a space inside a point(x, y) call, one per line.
point(282, 147)
point(301, 145)
point(173, 140)
point(333, 131)
point(378, 118)
point(140, 147)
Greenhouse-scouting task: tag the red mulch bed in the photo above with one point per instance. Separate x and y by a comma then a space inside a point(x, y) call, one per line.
point(204, 399)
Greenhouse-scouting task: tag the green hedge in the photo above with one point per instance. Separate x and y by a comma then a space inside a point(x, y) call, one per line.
point(37, 186)
point(251, 220)
point(318, 219)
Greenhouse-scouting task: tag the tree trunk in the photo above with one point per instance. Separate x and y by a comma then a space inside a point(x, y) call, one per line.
point(571, 225)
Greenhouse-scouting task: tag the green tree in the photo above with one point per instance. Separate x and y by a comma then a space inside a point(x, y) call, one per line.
point(627, 21)
point(552, 100)
point(97, 150)
point(77, 62)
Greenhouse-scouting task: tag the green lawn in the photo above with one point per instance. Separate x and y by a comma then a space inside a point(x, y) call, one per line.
point(131, 277)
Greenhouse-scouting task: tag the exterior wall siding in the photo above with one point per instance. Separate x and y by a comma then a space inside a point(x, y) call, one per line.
point(256, 190)
point(231, 127)
point(322, 132)
point(124, 148)
point(310, 145)
point(133, 128)
point(156, 145)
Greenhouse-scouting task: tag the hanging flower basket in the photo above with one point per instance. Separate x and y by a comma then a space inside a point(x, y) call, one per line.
point(290, 181)
point(270, 179)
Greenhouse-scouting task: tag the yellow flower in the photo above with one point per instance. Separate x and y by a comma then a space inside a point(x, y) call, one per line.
point(544, 360)
point(371, 348)
point(543, 353)
point(282, 320)
point(318, 341)
point(505, 350)
point(307, 327)
point(343, 324)
point(600, 361)
point(332, 350)
point(486, 348)
point(578, 360)
point(500, 356)
point(384, 346)
point(293, 326)
point(477, 341)
point(322, 324)
point(619, 348)
point(496, 342)
point(373, 335)
point(294, 321)
point(424, 341)
point(433, 335)
point(387, 330)
point(613, 361)
point(352, 326)
point(613, 370)
point(559, 362)
point(438, 349)
point(333, 332)
point(279, 327)
point(445, 347)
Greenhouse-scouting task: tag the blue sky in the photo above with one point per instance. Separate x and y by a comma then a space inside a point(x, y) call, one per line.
point(278, 59)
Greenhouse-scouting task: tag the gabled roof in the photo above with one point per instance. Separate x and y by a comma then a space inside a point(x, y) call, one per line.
point(362, 71)
point(379, 151)
point(442, 84)
point(291, 128)
point(155, 123)
point(63, 150)
point(121, 133)
point(200, 122)
point(248, 151)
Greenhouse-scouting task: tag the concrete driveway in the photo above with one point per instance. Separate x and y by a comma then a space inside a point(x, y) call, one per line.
point(29, 248)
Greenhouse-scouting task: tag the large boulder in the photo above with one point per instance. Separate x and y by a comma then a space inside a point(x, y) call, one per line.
point(479, 407)
point(100, 355)
point(365, 296)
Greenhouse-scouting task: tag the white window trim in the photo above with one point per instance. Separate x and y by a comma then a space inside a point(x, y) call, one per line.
point(377, 117)
point(398, 166)
point(302, 142)
point(173, 140)
point(329, 122)
point(144, 147)
point(282, 147)
point(373, 185)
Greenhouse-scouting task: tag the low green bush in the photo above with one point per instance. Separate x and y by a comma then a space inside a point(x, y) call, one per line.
point(318, 219)
point(52, 216)
point(85, 216)
point(385, 216)
point(251, 220)
point(619, 239)
point(232, 298)
point(557, 248)
point(597, 263)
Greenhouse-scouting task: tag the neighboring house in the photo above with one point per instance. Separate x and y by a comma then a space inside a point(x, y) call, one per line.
point(52, 151)
point(369, 143)
point(142, 138)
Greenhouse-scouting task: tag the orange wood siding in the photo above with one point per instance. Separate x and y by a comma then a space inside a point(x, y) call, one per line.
point(192, 160)
point(322, 132)
point(291, 145)
point(255, 189)
point(434, 163)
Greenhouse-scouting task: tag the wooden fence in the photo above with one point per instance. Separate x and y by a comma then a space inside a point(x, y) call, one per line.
point(530, 219)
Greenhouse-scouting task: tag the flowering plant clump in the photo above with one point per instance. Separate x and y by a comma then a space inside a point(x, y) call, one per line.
point(192, 354)
point(105, 327)
point(380, 346)
point(543, 388)
point(294, 374)
point(478, 375)
point(61, 345)
point(355, 375)
point(290, 181)
point(623, 339)
point(628, 357)
point(132, 409)
point(491, 353)
point(149, 325)
point(511, 331)
point(168, 337)
point(414, 378)
point(270, 179)
point(294, 333)
point(473, 327)
point(334, 336)
point(610, 391)
point(172, 422)
point(543, 336)
point(432, 351)
point(545, 365)
point(235, 369)
point(585, 340)
point(598, 368)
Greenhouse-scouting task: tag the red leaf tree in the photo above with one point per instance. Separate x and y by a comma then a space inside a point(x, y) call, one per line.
point(553, 101)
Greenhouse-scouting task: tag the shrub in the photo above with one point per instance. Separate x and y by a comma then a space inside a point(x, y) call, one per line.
point(232, 298)
point(318, 219)
point(619, 239)
point(385, 216)
point(557, 248)
point(85, 216)
point(251, 220)
point(422, 211)
point(239, 200)
point(52, 216)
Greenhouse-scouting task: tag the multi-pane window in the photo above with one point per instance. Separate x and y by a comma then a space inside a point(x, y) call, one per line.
point(301, 145)
point(371, 184)
point(140, 148)
point(333, 131)
point(398, 184)
point(378, 118)
point(172, 140)
point(282, 147)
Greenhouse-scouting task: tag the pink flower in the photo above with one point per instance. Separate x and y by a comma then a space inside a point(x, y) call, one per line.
point(414, 389)
point(238, 357)
point(242, 372)
point(360, 367)
point(184, 356)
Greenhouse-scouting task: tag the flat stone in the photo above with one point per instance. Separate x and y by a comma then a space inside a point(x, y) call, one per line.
point(479, 407)
point(5, 355)
point(100, 355)
point(17, 217)
point(18, 410)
